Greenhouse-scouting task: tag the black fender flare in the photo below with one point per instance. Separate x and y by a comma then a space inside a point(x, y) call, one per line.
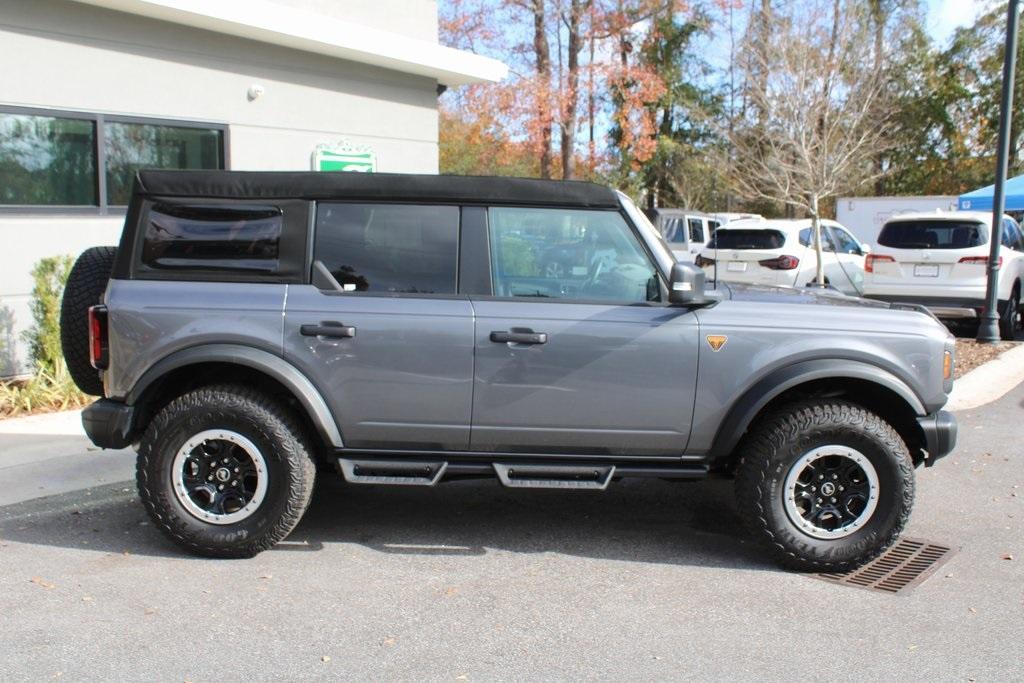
point(745, 409)
point(263, 361)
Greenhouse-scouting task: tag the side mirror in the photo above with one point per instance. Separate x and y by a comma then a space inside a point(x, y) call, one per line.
point(686, 285)
point(865, 249)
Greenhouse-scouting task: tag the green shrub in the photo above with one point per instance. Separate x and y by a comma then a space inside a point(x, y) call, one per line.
point(51, 388)
point(49, 277)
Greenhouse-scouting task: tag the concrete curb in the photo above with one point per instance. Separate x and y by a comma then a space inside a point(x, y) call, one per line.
point(62, 423)
point(988, 382)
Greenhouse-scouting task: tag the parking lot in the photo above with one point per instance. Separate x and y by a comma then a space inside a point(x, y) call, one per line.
point(471, 581)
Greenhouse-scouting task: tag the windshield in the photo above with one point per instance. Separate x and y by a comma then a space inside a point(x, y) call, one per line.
point(737, 238)
point(926, 234)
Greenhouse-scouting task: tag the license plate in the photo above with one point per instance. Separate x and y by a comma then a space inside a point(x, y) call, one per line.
point(926, 271)
point(736, 266)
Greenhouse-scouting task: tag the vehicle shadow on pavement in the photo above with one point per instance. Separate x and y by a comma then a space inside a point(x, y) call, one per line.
point(634, 520)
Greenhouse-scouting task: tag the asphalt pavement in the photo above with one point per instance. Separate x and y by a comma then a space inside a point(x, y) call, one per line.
point(470, 581)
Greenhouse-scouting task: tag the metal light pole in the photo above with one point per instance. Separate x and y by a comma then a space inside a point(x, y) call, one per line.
point(988, 330)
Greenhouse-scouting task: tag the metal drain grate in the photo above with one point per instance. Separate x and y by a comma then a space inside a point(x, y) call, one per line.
point(905, 565)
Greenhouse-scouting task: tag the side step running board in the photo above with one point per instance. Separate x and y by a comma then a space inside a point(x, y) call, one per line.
point(593, 477)
point(395, 472)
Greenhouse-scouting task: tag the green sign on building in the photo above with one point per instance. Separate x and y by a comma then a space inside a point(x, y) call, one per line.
point(344, 157)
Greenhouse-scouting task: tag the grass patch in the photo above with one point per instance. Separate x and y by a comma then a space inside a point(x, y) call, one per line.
point(45, 392)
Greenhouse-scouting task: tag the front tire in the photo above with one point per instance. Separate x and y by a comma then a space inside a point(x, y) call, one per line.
point(225, 471)
point(827, 486)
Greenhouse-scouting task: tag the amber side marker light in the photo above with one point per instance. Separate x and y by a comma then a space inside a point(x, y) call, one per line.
point(947, 365)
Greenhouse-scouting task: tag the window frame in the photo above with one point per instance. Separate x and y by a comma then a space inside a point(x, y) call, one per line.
point(460, 264)
point(102, 207)
point(293, 255)
point(485, 291)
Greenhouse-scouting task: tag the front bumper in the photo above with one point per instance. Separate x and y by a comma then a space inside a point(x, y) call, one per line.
point(939, 434)
point(108, 424)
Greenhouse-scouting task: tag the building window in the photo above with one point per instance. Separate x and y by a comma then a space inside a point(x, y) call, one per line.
point(131, 146)
point(48, 161)
point(52, 159)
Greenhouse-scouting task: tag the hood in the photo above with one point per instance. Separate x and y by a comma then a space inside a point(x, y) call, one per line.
point(795, 295)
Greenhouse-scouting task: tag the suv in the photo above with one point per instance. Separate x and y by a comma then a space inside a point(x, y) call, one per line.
point(685, 231)
point(401, 329)
point(781, 252)
point(940, 260)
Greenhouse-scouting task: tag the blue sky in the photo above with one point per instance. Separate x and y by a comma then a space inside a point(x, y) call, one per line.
point(944, 16)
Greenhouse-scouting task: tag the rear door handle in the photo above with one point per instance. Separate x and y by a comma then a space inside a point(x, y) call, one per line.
point(519, 337)
point(328, 328)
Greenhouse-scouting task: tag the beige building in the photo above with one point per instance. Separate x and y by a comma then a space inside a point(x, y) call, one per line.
point(93, 89)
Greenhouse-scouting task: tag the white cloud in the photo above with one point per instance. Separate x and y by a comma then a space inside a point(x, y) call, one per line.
point(945, 16)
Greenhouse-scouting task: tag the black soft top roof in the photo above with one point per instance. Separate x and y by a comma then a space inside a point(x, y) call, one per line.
point(372, 186)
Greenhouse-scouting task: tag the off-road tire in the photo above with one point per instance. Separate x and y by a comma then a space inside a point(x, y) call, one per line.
point(1009, 317)
point(780, 439)
point(270, 426)
point(86, 284)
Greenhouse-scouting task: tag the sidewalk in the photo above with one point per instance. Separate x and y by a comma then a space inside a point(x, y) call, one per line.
point(42, 455)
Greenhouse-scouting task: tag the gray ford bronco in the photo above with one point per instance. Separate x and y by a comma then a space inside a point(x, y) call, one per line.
point(254, 329)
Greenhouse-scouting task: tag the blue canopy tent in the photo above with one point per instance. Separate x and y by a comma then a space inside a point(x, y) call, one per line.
point(981, 200)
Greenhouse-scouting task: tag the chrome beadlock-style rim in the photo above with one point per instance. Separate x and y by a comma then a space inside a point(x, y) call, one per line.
point(219, 476)
point(831, 492)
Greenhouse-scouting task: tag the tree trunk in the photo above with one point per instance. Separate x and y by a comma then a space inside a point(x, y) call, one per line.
point(568, 123)
point(819, 271)
point(542, 54)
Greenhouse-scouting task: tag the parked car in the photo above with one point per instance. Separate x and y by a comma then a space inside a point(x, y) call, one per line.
point(781, 252)
point(685, 231)
point(939, 260)
point(402, 329)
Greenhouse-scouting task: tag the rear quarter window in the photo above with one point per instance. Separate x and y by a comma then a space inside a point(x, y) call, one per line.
point(204, 237)
point(933, 234)
point(736, 238)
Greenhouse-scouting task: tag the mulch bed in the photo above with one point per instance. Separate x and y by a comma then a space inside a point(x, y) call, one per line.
point(970, 354)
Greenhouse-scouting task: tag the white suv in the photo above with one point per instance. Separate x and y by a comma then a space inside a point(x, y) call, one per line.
point(781, 252)
point(939, 260)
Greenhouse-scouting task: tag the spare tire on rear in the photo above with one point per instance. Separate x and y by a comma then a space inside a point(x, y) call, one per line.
point(86, 285)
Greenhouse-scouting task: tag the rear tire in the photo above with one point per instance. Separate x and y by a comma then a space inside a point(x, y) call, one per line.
point(85, 287)
point(225, 471)
point(1009, 319)
point(826, 486)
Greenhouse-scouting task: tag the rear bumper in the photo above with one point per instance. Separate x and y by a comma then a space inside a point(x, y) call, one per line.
point(108, 423)
point(945, 307)
point(939, 434)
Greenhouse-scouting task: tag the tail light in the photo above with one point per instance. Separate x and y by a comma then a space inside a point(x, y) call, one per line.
point(704, 262)
point(99, 351)
point(979, 261)
point(871, 259)
point(781, 263)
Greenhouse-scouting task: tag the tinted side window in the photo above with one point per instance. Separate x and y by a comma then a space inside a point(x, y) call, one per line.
point(569, 254)
point(1011, 235)
point(674, 231)
point(847, 244)
point(228, 238)
point(696, 230)
point(807, 238)
point(389, 248)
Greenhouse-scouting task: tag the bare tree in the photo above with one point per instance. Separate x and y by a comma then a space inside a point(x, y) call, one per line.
point(817, 116)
